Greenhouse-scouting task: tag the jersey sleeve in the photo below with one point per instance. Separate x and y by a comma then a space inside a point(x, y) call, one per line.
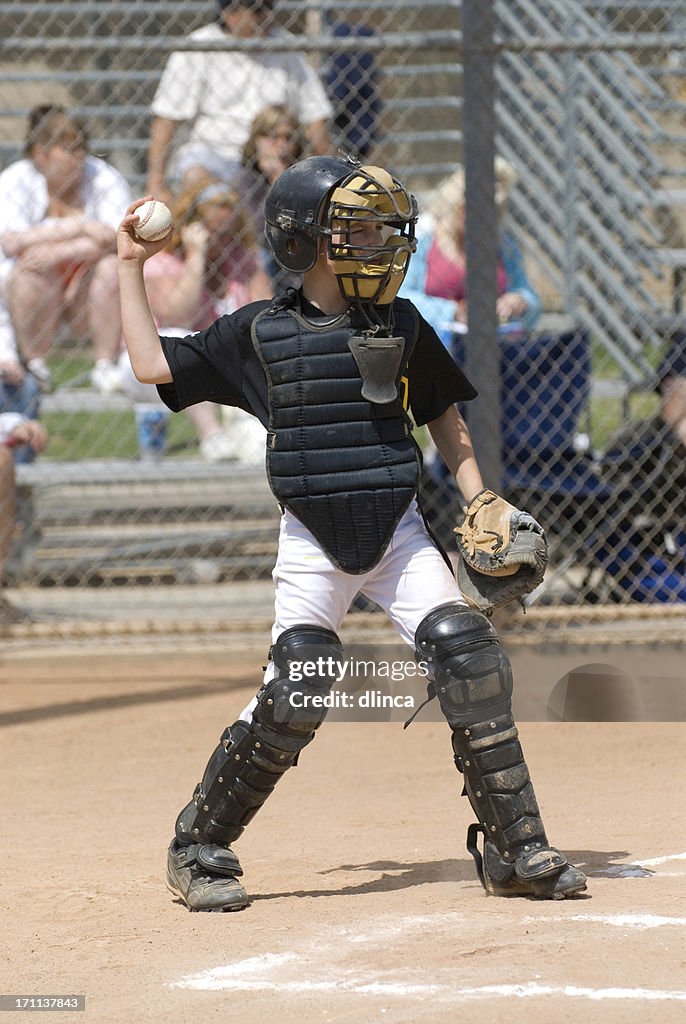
point(218, 364)
point(205, 367)
point(434, 380)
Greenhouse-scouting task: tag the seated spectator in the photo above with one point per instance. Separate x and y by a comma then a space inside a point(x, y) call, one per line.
point(59, 212)
point(273, 145)
point(220, 92)
point(643, 544)
point(19, 390)
point(211, 267)
point(16, 431)
point(436, 280)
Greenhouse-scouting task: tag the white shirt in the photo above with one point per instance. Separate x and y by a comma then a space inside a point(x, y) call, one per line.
point(222, 92)
point(105, 194)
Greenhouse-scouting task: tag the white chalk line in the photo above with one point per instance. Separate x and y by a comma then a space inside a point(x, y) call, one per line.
point(261, 973)
point(245, 975)
point(656, 861)
point(614, 920)
point(223, 979)
point(575, 991)
point(640, 868)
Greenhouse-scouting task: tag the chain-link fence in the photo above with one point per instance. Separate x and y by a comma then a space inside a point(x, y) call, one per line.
point(590, 111)
point(579, 415)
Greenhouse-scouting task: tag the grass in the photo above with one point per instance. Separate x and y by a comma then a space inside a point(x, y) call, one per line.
point(109, 435)
point(608, 416)
point(103, 435)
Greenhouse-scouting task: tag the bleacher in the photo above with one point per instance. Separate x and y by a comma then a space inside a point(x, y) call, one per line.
point(109, 521)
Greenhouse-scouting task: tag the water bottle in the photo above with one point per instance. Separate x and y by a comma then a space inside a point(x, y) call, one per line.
point(151, 426)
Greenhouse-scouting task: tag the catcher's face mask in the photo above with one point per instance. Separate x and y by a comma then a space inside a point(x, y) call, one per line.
point(370, 229)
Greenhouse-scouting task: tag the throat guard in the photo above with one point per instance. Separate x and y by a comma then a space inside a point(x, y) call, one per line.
point(378, 360)
point(347, 467)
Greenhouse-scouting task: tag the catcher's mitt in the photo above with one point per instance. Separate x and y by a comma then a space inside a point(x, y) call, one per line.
point(503, 552)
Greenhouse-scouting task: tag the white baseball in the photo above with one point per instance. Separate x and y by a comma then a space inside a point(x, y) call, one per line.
point(154, 220)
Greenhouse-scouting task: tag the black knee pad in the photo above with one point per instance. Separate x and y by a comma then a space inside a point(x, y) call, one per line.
point(472, 673)
point(291, 704)
point(304, 643)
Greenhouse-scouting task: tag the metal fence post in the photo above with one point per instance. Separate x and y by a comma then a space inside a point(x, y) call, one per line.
point(482, 359)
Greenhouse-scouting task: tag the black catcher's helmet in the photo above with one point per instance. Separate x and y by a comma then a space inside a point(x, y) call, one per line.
point(333, 198)
point(296, 205)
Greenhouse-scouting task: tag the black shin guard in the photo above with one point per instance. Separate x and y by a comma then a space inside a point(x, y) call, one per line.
point(239, 777)
point(252, 757)
point(473, 683)
point(499, 789)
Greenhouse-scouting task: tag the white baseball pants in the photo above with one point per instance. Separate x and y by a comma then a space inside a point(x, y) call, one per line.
point(410, 581)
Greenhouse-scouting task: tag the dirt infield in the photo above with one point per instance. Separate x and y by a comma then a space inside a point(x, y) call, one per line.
point(365, 905)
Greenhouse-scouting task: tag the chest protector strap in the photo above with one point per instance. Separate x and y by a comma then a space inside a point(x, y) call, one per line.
point(345, 466)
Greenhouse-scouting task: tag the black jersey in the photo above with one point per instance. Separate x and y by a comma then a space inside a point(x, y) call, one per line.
point(220, 365)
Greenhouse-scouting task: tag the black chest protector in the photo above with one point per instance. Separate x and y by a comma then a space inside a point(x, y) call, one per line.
point(346, 467)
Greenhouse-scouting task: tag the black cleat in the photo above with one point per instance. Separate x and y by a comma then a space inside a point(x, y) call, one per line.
point(205, 877)
point(544, 873)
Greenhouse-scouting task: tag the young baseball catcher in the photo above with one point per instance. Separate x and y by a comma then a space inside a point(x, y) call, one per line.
point(333, 371)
